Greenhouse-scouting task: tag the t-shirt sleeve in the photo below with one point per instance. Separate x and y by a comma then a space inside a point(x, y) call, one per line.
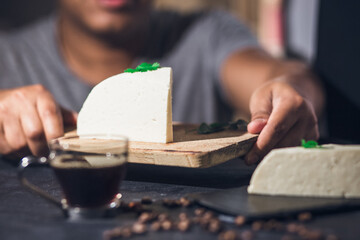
point(228, 35)
point(223, 34)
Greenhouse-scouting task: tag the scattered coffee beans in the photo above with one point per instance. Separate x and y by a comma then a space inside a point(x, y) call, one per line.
point(147, 217)
point(257, 225)
point(304, 217)
point(208, 221)
point(228, 235)
point(184, 225)
point(163, 216)
point(166, 225)
point(155, 226)
point(240, 220)
point(126, 232)
point(199, 211)
point(139, 228)
point(247, 235)
point(186, 202)
point(214, 225)
point(171, 203)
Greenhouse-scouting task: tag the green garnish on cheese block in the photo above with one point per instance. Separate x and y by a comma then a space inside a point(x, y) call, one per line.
point(310, 144)
point(144, 67)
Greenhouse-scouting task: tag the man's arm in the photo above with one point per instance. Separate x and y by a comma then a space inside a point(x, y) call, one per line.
point(283, 99)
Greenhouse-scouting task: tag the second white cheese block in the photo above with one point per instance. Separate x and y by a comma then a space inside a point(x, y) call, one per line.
point(136, 105)
point(332, 171)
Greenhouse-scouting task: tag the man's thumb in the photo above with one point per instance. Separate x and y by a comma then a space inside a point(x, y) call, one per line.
point(256, 125)
point(260, 109)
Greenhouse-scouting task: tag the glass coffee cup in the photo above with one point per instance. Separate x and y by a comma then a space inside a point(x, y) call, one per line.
point(89, 169)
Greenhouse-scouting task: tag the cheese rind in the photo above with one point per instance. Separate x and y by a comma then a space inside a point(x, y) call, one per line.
point(136, 105)
point(331, 171)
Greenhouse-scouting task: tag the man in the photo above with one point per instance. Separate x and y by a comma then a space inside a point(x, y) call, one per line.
point(218, 68)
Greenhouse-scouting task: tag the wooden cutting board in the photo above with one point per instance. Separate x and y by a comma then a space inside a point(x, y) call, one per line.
point(191, 149)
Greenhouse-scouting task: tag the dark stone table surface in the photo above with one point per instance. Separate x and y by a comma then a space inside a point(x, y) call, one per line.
point(24, 215)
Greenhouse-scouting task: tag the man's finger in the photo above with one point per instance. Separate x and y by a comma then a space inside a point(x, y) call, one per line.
point(260, 110)
point(34, 132)
point(256, 125)
point(4, 145)
point(50, 117)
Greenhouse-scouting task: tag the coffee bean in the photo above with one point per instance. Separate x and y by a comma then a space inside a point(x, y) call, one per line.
point(199, 211)
point(170, 203)
point(185, 202)
point(146, 200)
point(228, 235)
point(147, 217)
point(135, 206)
point(257, 225)
point(184, 225)
point(304, 217)
point(272, 224)
point(206, 218)
point(113, 233)
point(166, 225)
point(126, 232)
point(155, 226)
point(138, 228)
point(240, 220)
point(108, 235)
point(132, 204)
point(208, 215)
point(291, 228)
point(303, 232)
point(295, 228)
point(247, 235)
point(183, 216)
point(214, 225)
point(162, 217)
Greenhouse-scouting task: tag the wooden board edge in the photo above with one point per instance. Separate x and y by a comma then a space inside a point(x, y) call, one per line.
point(225, 154)
point(191, 159)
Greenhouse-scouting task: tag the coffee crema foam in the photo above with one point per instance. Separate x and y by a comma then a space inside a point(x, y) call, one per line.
point(101, 161)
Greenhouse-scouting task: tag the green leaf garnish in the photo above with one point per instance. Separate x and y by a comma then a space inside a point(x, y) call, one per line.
point(217, 127)
point(144, 67)
point(310, 144)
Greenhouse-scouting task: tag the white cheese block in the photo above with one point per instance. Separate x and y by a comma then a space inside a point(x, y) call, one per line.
point(332, 171)
point(136, 105)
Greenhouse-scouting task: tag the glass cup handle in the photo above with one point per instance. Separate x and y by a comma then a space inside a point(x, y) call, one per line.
point(26, 162)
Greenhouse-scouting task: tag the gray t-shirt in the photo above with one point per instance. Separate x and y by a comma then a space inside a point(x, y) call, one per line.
point(195, 46)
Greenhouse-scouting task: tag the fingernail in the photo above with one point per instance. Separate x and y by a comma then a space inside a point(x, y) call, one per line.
point(260, 120)
point(257, 125)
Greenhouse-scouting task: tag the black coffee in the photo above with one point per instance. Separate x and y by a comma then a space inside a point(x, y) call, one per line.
point(89, 182)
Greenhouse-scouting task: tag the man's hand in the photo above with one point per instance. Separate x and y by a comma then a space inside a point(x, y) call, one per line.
point(29, 117)
point(282, 117)
point(283, 99)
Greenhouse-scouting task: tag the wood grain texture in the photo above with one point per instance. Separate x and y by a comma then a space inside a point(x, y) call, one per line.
point(191, 149)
